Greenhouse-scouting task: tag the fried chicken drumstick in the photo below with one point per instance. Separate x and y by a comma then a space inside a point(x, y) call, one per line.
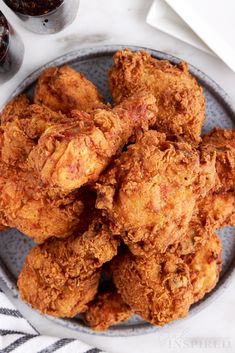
point(70, 155)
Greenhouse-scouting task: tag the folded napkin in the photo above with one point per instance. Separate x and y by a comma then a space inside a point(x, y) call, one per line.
point(17, 335)
point(205, 24)
point(164, 18)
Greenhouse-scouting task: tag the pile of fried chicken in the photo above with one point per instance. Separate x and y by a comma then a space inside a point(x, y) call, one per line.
point(129, 192)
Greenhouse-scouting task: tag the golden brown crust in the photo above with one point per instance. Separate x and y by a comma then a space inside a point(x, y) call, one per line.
point(162, 288)
point(223, 142)
point(178, 96)
point(61, 276)
point(211, 213)
point(13, 109)
point(205, 266)
point(29, 208)
point(106, 310)
point(64, 89)
point(157, 288)
point(149, 193)
point(72, 154)
point(20, 134)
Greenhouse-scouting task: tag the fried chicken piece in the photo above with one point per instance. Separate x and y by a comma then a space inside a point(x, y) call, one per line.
point(64, 89)
point(178, 96)
point(60, 277)
point(14, 108)
point(28, 207)
point(73, 154)
point(157, 288)
point(106, 310)
point(223, 141)
point(149, 193)
point(205, 266)
point(162, 288)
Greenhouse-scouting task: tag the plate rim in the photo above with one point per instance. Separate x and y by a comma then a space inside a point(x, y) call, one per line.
point(208, 83)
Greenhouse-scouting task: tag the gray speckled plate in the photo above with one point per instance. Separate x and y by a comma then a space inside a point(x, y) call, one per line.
point(220, 112)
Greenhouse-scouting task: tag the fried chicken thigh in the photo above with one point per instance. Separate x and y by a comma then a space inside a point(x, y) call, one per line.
point(157, 288)
point(162, 288)
point(64, 89)
point(178, 96)
point(70, 155)
point(60, 277)
point(149, 193)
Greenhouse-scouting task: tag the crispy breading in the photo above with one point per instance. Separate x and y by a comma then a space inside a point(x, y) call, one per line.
point(211, 213)
point(157, 288)
point(205, 266)
point(149, 193)
point(28, 207)
point(60, 277)
point(64, 89)
point(179, 98)
point(106, 310)
point(14, 108)
point(223, 142)
point(162, 288)
point(20, 134)
point(75, 153)
point(217, 210)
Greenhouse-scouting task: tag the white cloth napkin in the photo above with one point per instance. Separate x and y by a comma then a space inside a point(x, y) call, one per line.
point(164, 18)
point(17, 335)
point(202, 23)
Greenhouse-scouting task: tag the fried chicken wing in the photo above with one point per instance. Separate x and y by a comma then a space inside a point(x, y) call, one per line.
point(157, 288)
point(60, 277)
point(150, 192)
point(64, 89)
point(73, 154)
point(106, 310)
point(178, 96)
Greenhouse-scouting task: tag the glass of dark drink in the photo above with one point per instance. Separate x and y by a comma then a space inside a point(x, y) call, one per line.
point(11, 50)
point(45, 16)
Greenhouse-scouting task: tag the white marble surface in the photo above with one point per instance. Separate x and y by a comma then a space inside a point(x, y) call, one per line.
point(123, 22)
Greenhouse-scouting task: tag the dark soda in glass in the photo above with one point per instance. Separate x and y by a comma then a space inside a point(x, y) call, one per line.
point(11, 50)
point(45, 16)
